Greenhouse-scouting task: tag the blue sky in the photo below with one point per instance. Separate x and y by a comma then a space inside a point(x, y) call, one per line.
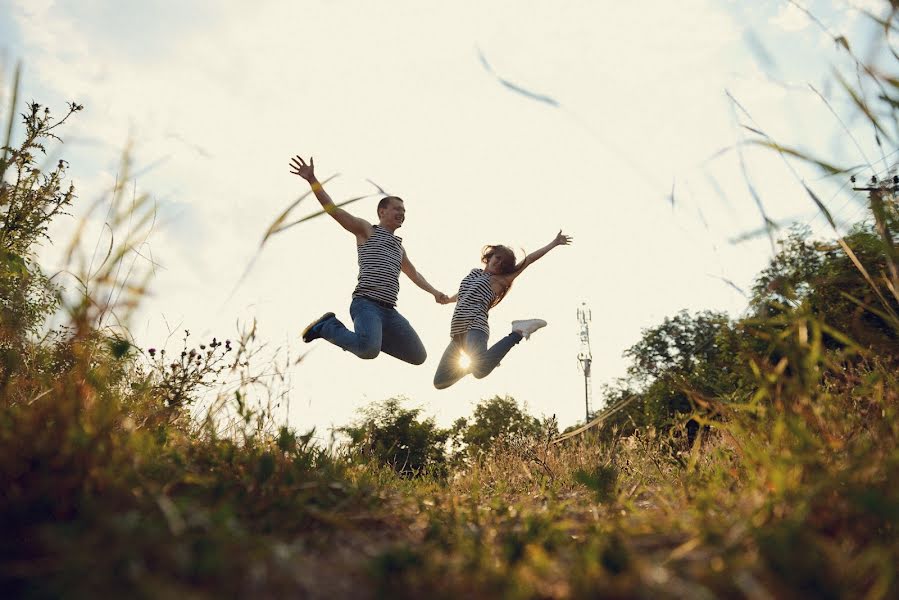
point(219, 96)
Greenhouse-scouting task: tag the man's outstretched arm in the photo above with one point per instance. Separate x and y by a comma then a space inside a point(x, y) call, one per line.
point(418, 279)
point(358, 227)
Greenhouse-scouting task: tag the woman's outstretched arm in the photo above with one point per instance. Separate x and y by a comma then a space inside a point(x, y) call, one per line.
point(560, 240)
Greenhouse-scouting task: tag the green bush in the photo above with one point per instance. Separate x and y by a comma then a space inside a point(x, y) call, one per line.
point(493, 419)
point(394, 436)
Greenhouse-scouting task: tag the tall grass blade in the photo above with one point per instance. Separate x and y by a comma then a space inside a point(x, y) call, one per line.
point(864, 272)
point(320, 213)
point(862, 106)
point(828, 168)
point(840, 337)
point(730, 283)
point(894, 289)
point(10, 120)
point(517, 88)
point(277, 226)
point(843, 125)
point(274, 227)
point(377, 187)
point(889, 316)
point(886, 23)
point(820, 205)
point(880, 220)
point(750, 235)
point(749, 186)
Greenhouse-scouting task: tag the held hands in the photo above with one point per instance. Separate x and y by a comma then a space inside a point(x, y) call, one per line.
point(442, 298)
point(299, 167)
point(562, 239)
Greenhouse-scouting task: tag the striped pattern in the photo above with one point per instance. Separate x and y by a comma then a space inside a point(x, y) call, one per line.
point(380, 258)
point(475, 298)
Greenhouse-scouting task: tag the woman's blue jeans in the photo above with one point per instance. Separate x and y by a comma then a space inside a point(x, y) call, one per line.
point(482, 360)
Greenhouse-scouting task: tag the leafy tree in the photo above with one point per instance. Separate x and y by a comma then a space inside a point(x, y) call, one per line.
point(790, 275)
point(492, 419)
point(686, 354)
point(823, 280)
point(697, 351)
point(394, 436)
point(681, 345)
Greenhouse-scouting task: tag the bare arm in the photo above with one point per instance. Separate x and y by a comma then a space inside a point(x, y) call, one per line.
point(418, 279)
point(560, 240)
point(359, 227)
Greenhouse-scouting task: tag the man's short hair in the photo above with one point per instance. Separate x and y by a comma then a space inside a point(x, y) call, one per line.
point(385, 201)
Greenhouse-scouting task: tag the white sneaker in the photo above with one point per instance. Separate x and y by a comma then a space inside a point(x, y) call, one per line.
point(527, 326)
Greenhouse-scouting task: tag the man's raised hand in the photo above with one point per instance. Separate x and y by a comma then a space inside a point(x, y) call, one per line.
point(299, 167)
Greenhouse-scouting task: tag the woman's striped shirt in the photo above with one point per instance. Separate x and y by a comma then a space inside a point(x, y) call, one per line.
point(473, 303)
point(380, 258)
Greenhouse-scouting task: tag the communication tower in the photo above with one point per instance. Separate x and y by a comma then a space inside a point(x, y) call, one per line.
point(585, 357)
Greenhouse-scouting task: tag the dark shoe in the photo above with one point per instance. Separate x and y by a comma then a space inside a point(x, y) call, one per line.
point(312, 331)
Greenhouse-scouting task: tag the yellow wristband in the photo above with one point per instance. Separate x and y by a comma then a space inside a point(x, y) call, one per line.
point(316, 186)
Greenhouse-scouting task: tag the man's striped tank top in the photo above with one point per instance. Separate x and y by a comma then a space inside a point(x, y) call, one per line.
point(380, 258)
point(473, 303)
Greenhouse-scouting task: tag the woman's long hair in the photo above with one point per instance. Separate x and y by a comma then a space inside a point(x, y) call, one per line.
point(507, 265)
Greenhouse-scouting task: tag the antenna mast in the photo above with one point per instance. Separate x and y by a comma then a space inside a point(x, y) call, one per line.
point(585, 357)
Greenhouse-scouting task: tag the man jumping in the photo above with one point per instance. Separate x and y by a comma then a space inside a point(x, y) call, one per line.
point(378, 325)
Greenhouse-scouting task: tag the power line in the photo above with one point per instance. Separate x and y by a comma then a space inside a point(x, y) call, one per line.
point(836, 214)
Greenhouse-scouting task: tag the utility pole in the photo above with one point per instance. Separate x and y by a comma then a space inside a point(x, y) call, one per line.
point(882, 197)
point(585, 357)
point(888, 186)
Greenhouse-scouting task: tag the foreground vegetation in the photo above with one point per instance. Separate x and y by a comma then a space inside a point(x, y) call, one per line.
point(747, 458)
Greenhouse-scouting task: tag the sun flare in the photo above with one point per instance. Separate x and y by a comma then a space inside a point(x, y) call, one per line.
point(464, 360)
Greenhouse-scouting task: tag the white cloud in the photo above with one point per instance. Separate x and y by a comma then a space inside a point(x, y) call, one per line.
point(790, 19)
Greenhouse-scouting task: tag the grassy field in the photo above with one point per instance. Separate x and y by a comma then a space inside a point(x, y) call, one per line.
point(787, 498)
point(754, 458)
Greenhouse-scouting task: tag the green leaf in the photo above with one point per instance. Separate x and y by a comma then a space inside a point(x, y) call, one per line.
point(287, 441)
point(265, 468)
point(13, 263)
point(119, 347)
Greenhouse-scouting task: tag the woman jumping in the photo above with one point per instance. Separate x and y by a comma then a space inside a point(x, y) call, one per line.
point(481, 290)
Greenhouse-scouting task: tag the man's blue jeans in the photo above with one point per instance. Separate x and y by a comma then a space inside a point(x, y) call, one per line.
point(483, 360)
point(378, 328)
